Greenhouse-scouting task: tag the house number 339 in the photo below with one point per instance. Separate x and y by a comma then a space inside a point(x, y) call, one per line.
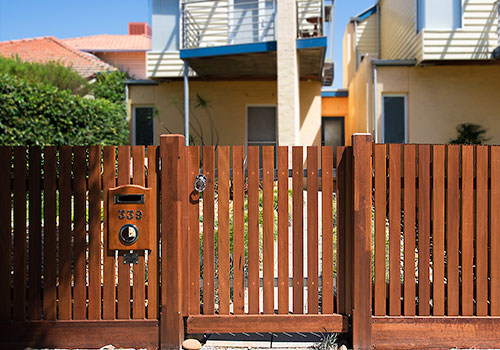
point(129, 214)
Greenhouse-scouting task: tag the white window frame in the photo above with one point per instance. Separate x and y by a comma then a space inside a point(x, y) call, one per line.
point(276, 143)
point(382, 131)
point(134, 120)
point(420, 11)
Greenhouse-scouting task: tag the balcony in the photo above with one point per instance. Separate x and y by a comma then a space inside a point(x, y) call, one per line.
point(237, 38)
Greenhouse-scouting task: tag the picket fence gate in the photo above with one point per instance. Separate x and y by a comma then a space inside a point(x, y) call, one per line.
point(393, 244)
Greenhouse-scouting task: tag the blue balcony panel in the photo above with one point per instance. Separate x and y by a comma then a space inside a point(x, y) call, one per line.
point(228, 50)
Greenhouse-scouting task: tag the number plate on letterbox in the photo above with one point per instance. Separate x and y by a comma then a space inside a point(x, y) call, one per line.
point(130, 218)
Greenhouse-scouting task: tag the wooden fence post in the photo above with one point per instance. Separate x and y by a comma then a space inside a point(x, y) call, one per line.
point(362, 175)
point(173, 157)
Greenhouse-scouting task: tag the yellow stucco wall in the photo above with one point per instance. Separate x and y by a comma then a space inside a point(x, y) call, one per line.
point(227, 101)
point(439, 99)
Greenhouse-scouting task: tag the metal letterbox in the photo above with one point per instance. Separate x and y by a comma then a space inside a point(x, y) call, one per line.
point(130, 218)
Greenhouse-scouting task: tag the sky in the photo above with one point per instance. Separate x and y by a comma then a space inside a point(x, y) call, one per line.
point(70, 18)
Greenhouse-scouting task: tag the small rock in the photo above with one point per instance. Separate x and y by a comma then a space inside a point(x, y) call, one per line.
point(343, 347)
point(108, 347)
point(191, 344)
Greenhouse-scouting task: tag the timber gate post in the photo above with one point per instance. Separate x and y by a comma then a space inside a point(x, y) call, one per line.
point(173, 157)
point(362, 175)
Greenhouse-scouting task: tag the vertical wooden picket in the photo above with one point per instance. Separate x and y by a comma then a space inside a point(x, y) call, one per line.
point(50, 237)
point(35, 233)
point(341, 229)
point(481, 230)
point(409, 229)
point(94, 179)
point(238, 230)
point(327, 229)
point(268, 228)
point(152, 182)
point(194, 231)
point(394, 229)
point(438, 248)
point(253, 230)
point(312, 230)
point(223, 232)
point(5, 232)
point(208, 232)
point(424, 214)
point(452, 230)
point(379, 162)
point(298, 230)
point(495, 231)
point(467, 241)
point(138, 292)
point(283, 288)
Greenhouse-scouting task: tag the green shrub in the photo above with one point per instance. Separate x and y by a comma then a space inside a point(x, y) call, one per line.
point(52, 73)
point(41, 114)
point(470, 134)
point(110, 86)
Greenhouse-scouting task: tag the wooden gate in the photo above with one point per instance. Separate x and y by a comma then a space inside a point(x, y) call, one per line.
point(240, 250)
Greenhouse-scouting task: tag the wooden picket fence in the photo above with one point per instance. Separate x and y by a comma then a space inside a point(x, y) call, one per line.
point(408, 237)
point(60, 286)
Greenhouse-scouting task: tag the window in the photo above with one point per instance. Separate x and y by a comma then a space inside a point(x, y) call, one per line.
point(261, 127)
point(439, 14)
point(332, 133)
point(143, 126)
point(394, 119)
point(251, 21)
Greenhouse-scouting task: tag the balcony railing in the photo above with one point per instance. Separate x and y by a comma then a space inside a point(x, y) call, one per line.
point(208, 23)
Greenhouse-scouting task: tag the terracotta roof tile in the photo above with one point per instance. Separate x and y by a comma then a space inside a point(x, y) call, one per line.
point(105, 42)
point(47, 49)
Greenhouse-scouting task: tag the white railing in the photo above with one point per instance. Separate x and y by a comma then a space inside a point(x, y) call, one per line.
point(218, 23)
point(208, 23)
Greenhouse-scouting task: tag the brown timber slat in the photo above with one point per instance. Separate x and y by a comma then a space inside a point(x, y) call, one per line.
point(341, 229)
point(327, 228)
point(298, 230)
point(94, 288)
point(223, 234)
point(109, 290)
point(283, 230)
point(409, 229)
point(152, 280)
point(438, 207)
point(35, 233)
point(312, 230)
point(139, 276)
point(5, 233)
point(20, 233)
point(482, 230)
point(452, 229)
point(349, 229)
point(253, 230)
point(208, 232)
point(266, 323)
point(380, 224)
point(49, 230)
point(268, 228)
point(184, 238)
point(424, 213)
point(79, 234)
point(79, 334)
point(495, 231)
point(194, 231)
point(123, 293)
point(435, 332)
point(65, 249)
point(467, 230)
point(394, 229)
point(238, 230)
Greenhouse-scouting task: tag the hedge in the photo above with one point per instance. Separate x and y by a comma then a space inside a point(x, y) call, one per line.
point(41, 114)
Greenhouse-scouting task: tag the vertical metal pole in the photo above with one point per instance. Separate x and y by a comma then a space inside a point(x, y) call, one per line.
point(186, 102)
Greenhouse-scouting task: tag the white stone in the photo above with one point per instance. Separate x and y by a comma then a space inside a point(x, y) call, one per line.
point(191, 344)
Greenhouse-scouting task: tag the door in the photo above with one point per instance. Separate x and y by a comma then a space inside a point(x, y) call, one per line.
point(394, 119)
point(262, 127)
point(332, 133)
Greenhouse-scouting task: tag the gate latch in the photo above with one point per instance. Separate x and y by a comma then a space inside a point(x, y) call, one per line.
point(200, 183)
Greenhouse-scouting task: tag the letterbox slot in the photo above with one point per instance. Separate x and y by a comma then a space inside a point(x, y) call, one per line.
point(129, 198)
